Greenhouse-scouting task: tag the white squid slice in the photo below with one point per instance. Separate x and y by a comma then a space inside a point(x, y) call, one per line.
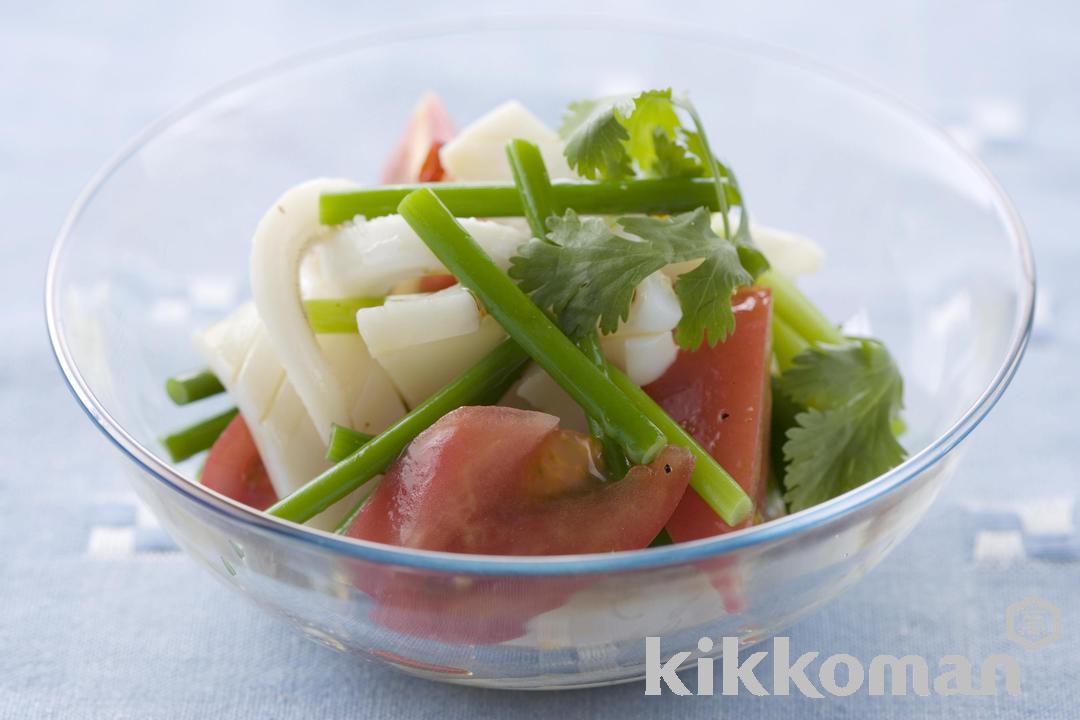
point(407, 320)
point(421, 369)
point(644, 358)
point(540, 392)
point(291, 449)
point(281, 239)
point(370, 257)
point(654, 309)
point(478, 152)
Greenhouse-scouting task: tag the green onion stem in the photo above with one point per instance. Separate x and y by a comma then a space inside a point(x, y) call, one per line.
point(645, 195)
point(365, 495)
point(497, 370)
point(534, 185)
point(193, 439)
point(337, 315)
point(786, 342)
point(530, 327)
point(192, 386)
point(344, 442)
point(715, 486)
point(801, 315)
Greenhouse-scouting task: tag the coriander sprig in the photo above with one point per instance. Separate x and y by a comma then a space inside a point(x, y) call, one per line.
point(530, 327)
point(586, 272)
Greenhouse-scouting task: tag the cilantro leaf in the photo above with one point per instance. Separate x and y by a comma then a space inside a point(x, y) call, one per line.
point(653, 114)
point(585, 272)
point(595, 140)
point(844, 437)
point(705, 292)
point(672, 159)
point(606, 137)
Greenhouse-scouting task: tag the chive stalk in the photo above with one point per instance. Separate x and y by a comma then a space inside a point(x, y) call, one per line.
point(787, 343)
point(610, 197)
point(193, 439)
point(337, 315)
point(538, 202)
point(715, 486)
point(496, 371)
point(192, 386)
point(344, 442)
point(365, 495)
point(797, 311)
point(530, 327)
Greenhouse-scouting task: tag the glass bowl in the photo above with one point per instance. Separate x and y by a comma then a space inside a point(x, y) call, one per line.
point(921, 243)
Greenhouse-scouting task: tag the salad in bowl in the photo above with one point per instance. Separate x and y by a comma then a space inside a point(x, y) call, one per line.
point(557, 380)
point(530, 342)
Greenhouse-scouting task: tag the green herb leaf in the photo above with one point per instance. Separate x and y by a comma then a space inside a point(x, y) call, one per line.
point(844, 437)
point(704, 292)
point(595, 140)
point(585, 272)
point(673, 160)
point(653, 114)
point(606, 137)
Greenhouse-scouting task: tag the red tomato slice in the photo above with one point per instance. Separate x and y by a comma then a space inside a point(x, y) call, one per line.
point(503, 481)
point(235, 470)
point(432, 170)
point(434, 283)
point(430, 123)
point(721, 395)
point(497, 480)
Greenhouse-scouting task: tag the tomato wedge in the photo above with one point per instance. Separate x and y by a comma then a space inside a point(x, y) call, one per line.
point(497, 480)
point(431, 170)
point(503, 481)
point(434, 283)
point(429, 124)
point(721, 395)
point(234, 468)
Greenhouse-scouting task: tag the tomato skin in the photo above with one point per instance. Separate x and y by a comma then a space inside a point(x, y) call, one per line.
point(234, 468)
point(494, 481)
point(497, 480)
point(721, 395)
point(430, 123)
point(435, 283)
point(432, 170)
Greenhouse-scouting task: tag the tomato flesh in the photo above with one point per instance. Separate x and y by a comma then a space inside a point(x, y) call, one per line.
point(496, 480)
point(434, 283)
point(721, 395)
point(234, 468)
point(502, 481)
point(432, 170)
point(429, 124)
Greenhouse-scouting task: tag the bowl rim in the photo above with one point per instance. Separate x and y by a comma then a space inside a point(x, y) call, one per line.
point(457, 563)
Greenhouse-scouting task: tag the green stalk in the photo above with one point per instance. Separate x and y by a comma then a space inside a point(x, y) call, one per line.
point(644, 195)
point(344, 442)
point(786, 342)
point(365, 495)
point(193, 439)
point(530, 327)
point(797, 311)
point(498, 369)
point(715, 486)
point(534, 185)
point(192, 386)
point(337, 315)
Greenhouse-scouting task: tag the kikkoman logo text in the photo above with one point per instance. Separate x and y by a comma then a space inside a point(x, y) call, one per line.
point(840, 674)
point(1031, 623)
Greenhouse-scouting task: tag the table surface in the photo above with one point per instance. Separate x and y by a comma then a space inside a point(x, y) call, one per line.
point(101, 617)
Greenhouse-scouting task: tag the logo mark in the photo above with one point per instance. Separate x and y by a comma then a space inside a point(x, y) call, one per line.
point(1033, 623)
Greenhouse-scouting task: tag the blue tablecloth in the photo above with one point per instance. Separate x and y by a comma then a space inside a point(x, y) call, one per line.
point(101, 617)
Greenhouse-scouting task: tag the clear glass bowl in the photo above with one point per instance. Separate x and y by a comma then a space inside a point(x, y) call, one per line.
point(920, 240)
